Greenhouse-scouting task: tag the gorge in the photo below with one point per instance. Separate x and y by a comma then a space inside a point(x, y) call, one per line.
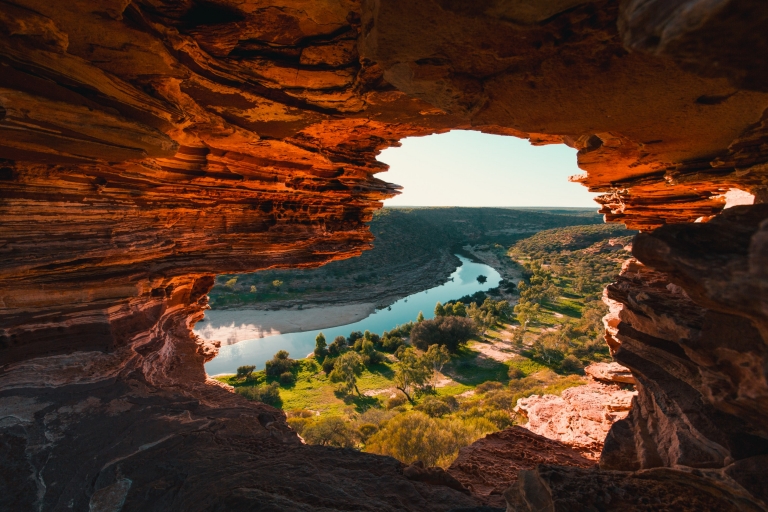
point(148, 145)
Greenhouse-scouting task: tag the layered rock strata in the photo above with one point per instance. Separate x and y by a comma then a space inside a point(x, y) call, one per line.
point(490, 465)
point(580, 417)
point(147, 145)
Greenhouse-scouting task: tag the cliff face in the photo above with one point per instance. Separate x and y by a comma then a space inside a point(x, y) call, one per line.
point(148, 145)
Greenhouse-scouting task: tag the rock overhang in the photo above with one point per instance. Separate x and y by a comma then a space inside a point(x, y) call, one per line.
point(147, 145)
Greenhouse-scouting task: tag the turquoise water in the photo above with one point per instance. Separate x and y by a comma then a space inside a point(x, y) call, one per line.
point(258, 351)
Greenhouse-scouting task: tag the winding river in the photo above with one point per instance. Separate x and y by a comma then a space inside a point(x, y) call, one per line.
point(258, 351)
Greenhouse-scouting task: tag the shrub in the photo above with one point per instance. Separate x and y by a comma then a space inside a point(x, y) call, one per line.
point(433, 407)
point(571, 363)
point(450, 331)
point(515, 373)
point(287, 378)
point(390, 343)
point(245, 372)
point(338, 346)
point(298, 424)
point(396, 401)
point(353, 337)
point(329, 431)
point(279, 364)
point(488, 386)
point(328, 364)
point(366, 430)
point(415, 436)
point(268, 394)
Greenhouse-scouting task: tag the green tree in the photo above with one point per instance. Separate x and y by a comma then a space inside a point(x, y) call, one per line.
point(231, 283)
point(321, 349)
point(439, 310)
point(411, 372)
point(245, 372)
point(420, 318)
point(346, 370)
point(329, 431)
point(459, 309)
point(279, 364)
point(415, 436)
point(436, 357)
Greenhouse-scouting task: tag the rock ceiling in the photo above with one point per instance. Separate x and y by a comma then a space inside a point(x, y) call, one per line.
point(147, 145)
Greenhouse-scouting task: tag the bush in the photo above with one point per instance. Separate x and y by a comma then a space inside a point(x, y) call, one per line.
point(515, 373)
point(396, 401)
point(268, 394)
point(328, 364)
point(571, 364)
point(450, 331)
point(433, 407)
point(366, 430)
point(245, 372)
point(298, 424)
point(329, 431)
point(279, 364)
point(287, 378)
point(488, 386)
point(415, 436)
point(353, 337)
point(390, 343)
point(338, 346)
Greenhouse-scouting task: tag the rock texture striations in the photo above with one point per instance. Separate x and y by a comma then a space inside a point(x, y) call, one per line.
point(580, 417)
point(146, 145)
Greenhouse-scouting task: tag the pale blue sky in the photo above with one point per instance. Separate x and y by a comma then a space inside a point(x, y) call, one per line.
point(466, 168)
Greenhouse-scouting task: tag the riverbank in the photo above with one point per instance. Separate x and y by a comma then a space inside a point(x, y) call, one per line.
point(234, 325)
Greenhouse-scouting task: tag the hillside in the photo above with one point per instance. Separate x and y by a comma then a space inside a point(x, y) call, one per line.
point(413, 250)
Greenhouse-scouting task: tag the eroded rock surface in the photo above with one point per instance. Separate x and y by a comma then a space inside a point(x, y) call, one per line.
point(580, 417)
point(490, 465)
point(147, 145)
point(612, 373)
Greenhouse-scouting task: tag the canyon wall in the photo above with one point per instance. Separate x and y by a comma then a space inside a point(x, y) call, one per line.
point(147, 145)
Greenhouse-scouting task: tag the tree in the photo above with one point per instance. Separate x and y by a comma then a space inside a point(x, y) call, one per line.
point(411, 372)
point(459, 309)
point(338, 346)
point(279, 364)
point(245, 372)
point(439, 310)
point(253, 289)
point(420, 318)
point(231, 283)
point(436, 357)
point(481, 279)
point(345, 371)
point(321, 349)
point(451, 331)
point(277, 283)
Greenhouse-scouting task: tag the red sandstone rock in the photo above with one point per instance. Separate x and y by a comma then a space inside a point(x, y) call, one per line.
point(147, 145)
point(610, 372)
point(490, 465)
point(580, 417)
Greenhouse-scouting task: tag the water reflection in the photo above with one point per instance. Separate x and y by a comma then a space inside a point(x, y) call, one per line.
point(257, 351)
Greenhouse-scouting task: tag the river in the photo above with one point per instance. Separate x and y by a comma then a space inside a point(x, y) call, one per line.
point(258, 351)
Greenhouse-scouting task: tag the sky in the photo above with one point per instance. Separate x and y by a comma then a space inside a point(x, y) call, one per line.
point(466, 168)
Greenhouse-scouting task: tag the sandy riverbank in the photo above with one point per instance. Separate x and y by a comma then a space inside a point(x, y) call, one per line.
point(231, 326)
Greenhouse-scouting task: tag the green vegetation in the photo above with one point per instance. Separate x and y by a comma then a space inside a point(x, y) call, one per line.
point(423, 390)
point(559, 311)
point(412, 404)
point(417, 243)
